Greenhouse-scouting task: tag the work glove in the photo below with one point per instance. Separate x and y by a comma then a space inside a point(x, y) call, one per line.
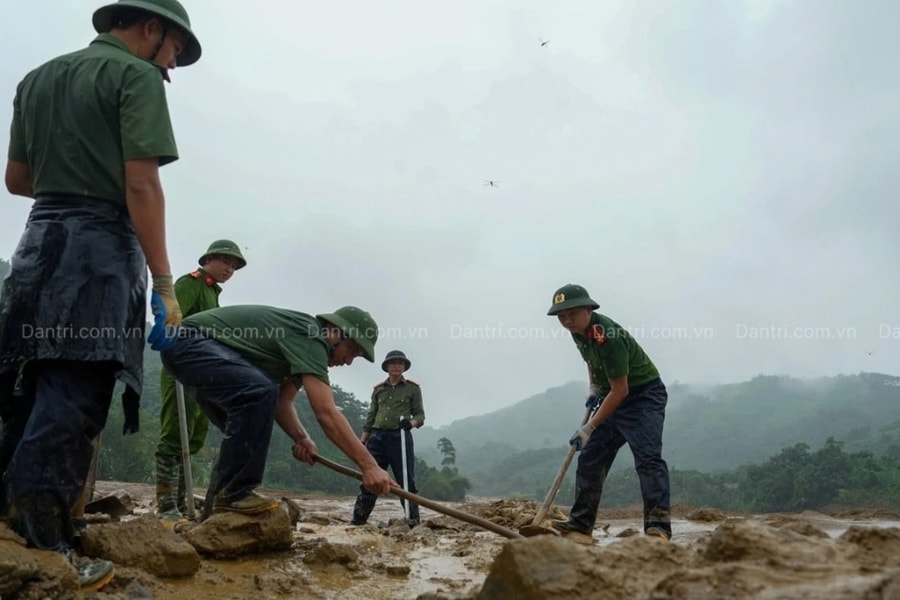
point(593, 399)
point(405, 424)
point(582, 436)
point(131, 404)
point(166, 313)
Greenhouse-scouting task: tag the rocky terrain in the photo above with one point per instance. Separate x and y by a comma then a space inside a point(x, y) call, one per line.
point(309, 550)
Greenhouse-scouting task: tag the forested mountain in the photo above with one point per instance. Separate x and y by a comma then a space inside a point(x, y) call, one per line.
point(518, 449)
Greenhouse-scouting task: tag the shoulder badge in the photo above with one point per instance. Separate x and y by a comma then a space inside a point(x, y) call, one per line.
point(408, 380)
point(195, 274)
point(378, 385)
point(598, 334)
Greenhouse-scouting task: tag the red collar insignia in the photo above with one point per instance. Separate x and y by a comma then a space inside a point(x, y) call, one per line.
point(598, 334)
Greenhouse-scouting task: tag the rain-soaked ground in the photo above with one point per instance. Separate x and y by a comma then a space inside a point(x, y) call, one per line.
point(711, 555)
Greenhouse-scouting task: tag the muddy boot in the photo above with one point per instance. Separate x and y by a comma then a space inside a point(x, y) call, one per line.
point(168, 468)
point(413, 514)
point(365, 503)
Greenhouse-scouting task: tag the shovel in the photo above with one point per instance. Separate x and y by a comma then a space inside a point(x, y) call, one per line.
point(444, 510)
point(536, 528)
point(185, 451)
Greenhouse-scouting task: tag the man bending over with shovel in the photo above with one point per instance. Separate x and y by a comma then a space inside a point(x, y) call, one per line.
point(246, 364)
point(632, 399)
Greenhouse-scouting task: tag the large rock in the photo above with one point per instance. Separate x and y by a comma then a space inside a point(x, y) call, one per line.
point(33, 574)
point(229, 535)
point(142, 543)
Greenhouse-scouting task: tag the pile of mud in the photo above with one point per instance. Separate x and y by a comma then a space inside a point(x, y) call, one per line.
point(308, 550)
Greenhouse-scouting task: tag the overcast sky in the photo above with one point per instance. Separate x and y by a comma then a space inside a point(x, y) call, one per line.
point(708, 170)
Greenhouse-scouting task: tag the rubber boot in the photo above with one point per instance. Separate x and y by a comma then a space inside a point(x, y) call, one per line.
point(167, 470)
point(365, 503)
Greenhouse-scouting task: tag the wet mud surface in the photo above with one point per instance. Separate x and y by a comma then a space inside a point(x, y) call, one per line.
point(309, 550)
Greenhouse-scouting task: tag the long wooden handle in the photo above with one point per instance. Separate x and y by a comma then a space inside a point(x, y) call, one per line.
point(445, 510)
point(551, 495)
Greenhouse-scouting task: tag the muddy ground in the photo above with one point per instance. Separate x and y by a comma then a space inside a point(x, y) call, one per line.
point(309, 550)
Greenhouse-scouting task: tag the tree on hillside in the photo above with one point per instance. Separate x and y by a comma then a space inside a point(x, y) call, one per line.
point(447, 451)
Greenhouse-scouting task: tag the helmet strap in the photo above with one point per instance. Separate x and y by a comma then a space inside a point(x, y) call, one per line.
point(159, 44)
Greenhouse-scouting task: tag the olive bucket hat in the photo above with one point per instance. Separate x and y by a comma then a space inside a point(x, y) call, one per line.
point(170, 10)
point(395, 355)
point(356, 324)
point(225, 248)
point(571, 296)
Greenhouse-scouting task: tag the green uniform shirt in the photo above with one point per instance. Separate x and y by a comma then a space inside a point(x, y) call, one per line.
point(283, 343)
point(197, 291)
point(611, 352)
point(390, 403)
point(80, 116)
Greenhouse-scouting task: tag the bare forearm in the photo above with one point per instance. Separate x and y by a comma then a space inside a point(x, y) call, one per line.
point(338, 430)
point(147, 209)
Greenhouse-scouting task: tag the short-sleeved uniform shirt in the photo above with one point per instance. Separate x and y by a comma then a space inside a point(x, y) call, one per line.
point(80, 116)
point(197, 291)
point(283, 343)
point(390, 403)
point(612, 352)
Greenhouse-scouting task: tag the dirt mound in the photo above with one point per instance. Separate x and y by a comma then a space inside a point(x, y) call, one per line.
point(313, 553)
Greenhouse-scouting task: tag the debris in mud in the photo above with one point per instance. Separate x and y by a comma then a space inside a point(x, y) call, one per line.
point(142, 543)
point(513, 513)
point(706, 515)
point(323, 552)
point(229, 534)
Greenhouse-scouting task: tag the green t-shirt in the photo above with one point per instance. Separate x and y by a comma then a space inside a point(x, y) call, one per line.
point(196, 292)
point(611, 352)
point(80, 116)
point(283, 343)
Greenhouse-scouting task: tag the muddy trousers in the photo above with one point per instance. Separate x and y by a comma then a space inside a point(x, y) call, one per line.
point(170, 484)
point(48, 469)
point(638, 422)
point(384, 445)
point(239, 399)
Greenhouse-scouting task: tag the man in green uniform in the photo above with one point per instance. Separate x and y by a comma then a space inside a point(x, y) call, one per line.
point(626, 386)
point(89, 132)
point(396, 405)
point(246, 364)
point(196, 291)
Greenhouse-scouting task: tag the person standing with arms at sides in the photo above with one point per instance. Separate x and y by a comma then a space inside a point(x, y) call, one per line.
point(90, 130)
point(396, 404)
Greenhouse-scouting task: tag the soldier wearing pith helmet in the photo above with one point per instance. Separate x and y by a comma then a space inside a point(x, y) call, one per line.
point(629, 402)
point(90, 130)
point(246, 364)
point(196, 291)
point(396, 406)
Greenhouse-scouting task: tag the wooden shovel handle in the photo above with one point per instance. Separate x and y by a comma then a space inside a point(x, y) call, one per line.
point(551, 495)
point(445, 510)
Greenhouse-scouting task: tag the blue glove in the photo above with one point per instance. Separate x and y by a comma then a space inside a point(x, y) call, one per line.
point(166, 313)
point(593, 398)
point(581, 436)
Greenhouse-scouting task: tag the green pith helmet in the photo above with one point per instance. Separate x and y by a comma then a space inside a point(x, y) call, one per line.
point(226, 248)
point(170, 10)
point(356, 324)
point(395, 355)
point(571, 296)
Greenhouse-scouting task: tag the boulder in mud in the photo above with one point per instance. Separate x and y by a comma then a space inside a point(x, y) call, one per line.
point(143, 543)
point(230, 535)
